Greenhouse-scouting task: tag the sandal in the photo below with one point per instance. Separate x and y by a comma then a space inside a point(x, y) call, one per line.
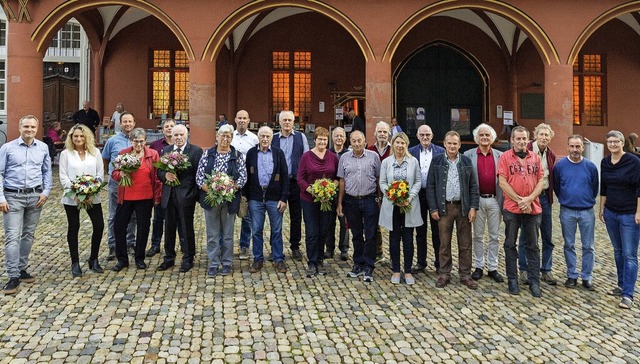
point(626, 303)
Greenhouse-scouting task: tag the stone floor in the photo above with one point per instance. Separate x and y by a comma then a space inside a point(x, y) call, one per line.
point(142, 316)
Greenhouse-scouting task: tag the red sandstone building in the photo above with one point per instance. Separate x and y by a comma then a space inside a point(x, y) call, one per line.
point(450, 64)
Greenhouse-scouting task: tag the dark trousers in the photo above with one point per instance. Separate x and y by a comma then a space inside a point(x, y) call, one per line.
point(315, 230)
point(343, 235)
point(362, 215)
point(143, 209)
point(157, 227)
point(530, 225)
point(421, 234)
point(179, 217)
point(400, 232)
point(295, 215)
point(463, 232)
point(73, 221)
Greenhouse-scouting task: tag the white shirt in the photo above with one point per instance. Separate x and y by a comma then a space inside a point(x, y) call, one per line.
point(426, 155)
point(71, 166)
point(115, 119)
point(244, 142)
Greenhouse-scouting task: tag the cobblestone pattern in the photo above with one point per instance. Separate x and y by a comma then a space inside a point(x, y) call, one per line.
point(146, 316)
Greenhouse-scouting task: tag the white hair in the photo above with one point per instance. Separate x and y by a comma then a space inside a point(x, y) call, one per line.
point(494, 136)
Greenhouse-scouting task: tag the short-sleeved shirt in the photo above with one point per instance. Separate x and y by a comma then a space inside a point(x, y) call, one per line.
point(360, 174)
point(522, 177)
point(244, 142)
point(113, 146)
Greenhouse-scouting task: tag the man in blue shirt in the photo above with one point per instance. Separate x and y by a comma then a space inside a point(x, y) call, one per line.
point(25, 183)
point(110, 151)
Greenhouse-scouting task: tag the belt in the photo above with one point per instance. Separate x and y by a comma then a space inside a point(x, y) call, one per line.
point(487, 196)
point(454, 202)
point(371, 195)
point(25, 190)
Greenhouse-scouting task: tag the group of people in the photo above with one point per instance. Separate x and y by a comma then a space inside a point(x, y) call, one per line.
point(387, 184)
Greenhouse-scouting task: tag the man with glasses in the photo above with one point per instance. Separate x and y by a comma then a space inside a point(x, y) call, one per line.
point(424, 153)
point(293, 144)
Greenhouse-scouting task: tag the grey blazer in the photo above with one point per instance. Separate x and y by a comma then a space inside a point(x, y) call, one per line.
point(472, 154)
point(413, 218)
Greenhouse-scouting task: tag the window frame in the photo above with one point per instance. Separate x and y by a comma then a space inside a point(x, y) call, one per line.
point(176, 67)
point(580, 79)
point(296, 65)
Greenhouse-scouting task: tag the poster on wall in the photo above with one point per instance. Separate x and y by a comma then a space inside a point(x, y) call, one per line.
point(460, 121)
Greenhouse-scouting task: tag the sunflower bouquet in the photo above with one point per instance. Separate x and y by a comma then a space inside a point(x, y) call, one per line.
point(220, 188)
point(126, 164)
point(324, 191)
point(83, 188)
point(173, 162)
point(398, 194)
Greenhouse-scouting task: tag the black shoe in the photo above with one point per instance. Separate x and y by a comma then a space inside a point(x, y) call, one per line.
point(140, 264)
point(477, 274)
point(513, 287)
point(165, 265)
point(296, 255)
point(571, 283)
point(588, 285)
point(493, 274)
point(112, 254)
point(534, 287)
point(418, 268)
point(185, 267)
point(95, 266)
point(328, 255)
point(153, 251)
point(12, 286)
point(26, 277)
point(120, 265)
point(75, 270)
point(344, 256)
point(311, 271)
point(320, 269)
point(548, 279)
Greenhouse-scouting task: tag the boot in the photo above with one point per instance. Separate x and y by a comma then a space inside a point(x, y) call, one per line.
point(112, 254)
point(75, 269)
point(95, 266)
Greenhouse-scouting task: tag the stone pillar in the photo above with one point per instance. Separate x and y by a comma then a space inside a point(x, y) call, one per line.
point(202, 103)
point(379, 104)
point(23, 78)
point(558, 104)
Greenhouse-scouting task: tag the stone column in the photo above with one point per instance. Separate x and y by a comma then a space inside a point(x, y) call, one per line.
point(379, 105)
point(202, 103)
point(23, 78)
point(558, 104)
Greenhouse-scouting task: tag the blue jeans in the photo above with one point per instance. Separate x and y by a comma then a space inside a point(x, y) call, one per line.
point(529, 224)
point(624, 233)
point(362, 216)
point(245, 230)
point(545, 235)
point(219, 224)
point(258, 209)
point(315, 230)
point(585, 220)
point(112, 187)
point(19, 228)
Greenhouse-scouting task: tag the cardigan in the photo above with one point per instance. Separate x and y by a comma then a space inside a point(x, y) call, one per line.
point(413, 218)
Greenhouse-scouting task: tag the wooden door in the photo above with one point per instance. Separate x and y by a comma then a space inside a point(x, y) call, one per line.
point(60, 100)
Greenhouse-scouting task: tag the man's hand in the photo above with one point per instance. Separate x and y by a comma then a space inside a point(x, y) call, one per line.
point(4, 207)
point(282, 205)
point(42, 199)
point(472, 215)
point(170, 177)
point(339, 210)
point(435, 215)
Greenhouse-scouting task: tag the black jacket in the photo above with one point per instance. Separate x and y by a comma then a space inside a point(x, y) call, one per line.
point(278, 188)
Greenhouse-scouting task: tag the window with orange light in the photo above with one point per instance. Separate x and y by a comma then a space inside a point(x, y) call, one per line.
point(589, 90)
point(291, 83)
point(169, 78)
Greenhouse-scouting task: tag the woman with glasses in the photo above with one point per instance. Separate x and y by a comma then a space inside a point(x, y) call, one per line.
point(81, 157)
point(620, 211)
point(145, 192)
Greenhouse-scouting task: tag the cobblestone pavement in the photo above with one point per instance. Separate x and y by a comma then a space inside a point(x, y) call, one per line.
point(149, 316)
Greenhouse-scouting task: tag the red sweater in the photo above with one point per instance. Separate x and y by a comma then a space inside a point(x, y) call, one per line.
point(145, 182)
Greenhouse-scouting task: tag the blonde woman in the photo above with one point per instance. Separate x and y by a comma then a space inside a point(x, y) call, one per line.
point(80, 157)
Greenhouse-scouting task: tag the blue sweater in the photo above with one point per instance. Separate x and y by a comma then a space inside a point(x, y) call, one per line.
point(620, 183)
point(575, 184)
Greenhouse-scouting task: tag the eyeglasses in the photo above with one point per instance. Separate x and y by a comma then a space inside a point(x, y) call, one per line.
point(613, 142)
point(224, 136)
point(424, 135)
point(138, 141)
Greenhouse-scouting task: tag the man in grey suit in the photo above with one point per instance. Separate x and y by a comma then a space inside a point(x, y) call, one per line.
point(489, 214)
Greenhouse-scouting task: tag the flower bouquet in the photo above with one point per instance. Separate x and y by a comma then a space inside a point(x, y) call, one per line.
point(126, 164)
point(173, 162)
point(83, 188)
point(398, 194)
point(324, 191)
point(221, 188)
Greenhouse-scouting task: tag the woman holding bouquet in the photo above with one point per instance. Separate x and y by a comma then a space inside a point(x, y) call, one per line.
point(222, 162)
point(139, 196)
point(81, 158)
point(400, 213)
point(317, 164)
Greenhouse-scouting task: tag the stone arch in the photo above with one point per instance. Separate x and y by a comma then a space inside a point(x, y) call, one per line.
point(538, 37)
point(597, 23)
point(219, 36)
point(64, 11)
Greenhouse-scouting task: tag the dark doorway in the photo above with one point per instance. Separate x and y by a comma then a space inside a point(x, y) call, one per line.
point(437, 83)
point(61, 93)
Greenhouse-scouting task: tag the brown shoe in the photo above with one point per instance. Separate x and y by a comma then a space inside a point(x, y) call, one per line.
point(442, 281)
point(470, 283)
point(256, 267)
point(281, 267)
